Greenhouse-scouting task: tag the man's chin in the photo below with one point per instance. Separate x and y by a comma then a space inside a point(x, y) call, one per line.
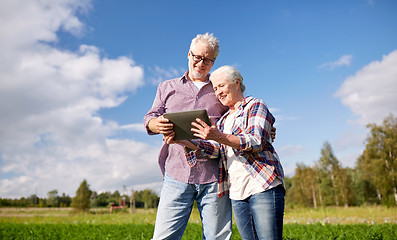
point(197, 75)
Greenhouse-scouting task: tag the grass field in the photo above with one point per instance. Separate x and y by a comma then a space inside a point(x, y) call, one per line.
point(62, 223)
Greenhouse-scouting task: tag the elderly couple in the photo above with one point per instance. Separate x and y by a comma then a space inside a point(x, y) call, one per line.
point(232, 165)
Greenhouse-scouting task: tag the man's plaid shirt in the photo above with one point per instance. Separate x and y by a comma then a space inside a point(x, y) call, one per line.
point(253, 124)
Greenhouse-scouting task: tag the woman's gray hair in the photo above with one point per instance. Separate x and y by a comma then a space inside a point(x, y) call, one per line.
point(208, 38)
point(230, 73)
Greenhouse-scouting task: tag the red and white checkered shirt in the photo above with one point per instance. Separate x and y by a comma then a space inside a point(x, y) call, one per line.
point(253, 124)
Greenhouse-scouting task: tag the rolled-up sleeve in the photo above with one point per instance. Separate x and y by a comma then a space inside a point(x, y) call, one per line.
point(206, 149)
point(259, 124)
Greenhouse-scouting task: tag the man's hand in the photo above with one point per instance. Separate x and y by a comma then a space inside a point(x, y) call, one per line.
point(161, 125)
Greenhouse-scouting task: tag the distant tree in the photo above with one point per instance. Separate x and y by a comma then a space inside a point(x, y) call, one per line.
point(344, 186)
point(289, 199)
point(115, 197)
point(52, 199)
point(363, 191)
point(64, 200)
point(33, 200)
point(102, 199)
point(93, 200)
point(303, 186)
point(335, 184)
point(379, 162)
point(146, 198)
point(5, 202)
point(81, 202)
point(312, 181)
point(327, 166)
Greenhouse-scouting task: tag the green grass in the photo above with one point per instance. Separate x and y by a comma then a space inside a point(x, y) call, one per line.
point(331, 215)
point(144, 231)
point(300, 223)
point(348, 232)
point(67, 216)
point(341, 215)
point(75, 231)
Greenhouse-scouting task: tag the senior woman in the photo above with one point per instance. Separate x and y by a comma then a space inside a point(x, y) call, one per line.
point(250, 170)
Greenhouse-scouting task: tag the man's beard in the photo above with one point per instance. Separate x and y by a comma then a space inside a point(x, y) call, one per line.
point(197, 75)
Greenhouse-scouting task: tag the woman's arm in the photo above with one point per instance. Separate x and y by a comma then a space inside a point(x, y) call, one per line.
point(202, 130)
point(251, 137)
point(201, 149)
point(259, 126)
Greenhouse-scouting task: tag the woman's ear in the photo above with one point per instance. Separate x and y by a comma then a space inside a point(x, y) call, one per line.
point(238, 82)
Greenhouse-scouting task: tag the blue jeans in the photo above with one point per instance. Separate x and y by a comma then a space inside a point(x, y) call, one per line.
point(261, 215)
point(175, 207)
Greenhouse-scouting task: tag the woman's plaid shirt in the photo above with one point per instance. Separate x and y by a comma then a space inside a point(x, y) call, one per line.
point(253, 124)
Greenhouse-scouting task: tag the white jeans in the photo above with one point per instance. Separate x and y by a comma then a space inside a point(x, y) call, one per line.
point(175, 207)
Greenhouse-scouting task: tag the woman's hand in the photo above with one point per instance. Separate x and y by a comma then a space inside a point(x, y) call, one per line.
point(204, 131)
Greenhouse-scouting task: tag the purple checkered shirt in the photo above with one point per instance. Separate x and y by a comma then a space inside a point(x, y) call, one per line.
point(180, 94)
point(253, 124)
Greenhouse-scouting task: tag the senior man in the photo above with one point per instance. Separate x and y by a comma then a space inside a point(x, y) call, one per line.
point(183, 184)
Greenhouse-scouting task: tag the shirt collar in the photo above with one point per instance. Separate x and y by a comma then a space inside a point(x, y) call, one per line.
point(242, 105)
point(185, 77)
point(246, 101)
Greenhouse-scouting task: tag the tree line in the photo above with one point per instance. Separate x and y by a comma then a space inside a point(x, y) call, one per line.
point(373, 180)
point(85, 199)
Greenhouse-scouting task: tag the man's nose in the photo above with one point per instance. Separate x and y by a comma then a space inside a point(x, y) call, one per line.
point(201, 62)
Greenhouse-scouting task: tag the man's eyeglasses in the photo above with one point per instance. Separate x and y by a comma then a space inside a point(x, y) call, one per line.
point(197, 58)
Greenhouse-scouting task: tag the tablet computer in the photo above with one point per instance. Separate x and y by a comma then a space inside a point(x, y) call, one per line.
point(183, 122)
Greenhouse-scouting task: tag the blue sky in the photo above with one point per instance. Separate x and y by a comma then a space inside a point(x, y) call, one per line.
point(77, 77)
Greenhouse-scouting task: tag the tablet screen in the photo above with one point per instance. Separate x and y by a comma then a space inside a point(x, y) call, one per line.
point(183, 122)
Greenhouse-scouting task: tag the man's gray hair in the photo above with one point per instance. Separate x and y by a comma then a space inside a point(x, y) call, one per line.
point(208, 38)
point(230, 73)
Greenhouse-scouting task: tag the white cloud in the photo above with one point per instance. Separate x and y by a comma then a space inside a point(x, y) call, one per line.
point(25, 22)
point(280, 117)
point(353, 138)
point(371, 93)
point(287, 154)
point(349, 159)
point(51, 136)
point(289, 150)
point(345, 60)
point(156, 187)
point(349, 145)
point(158, 74)
point(106, 167)
point(134, 127)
